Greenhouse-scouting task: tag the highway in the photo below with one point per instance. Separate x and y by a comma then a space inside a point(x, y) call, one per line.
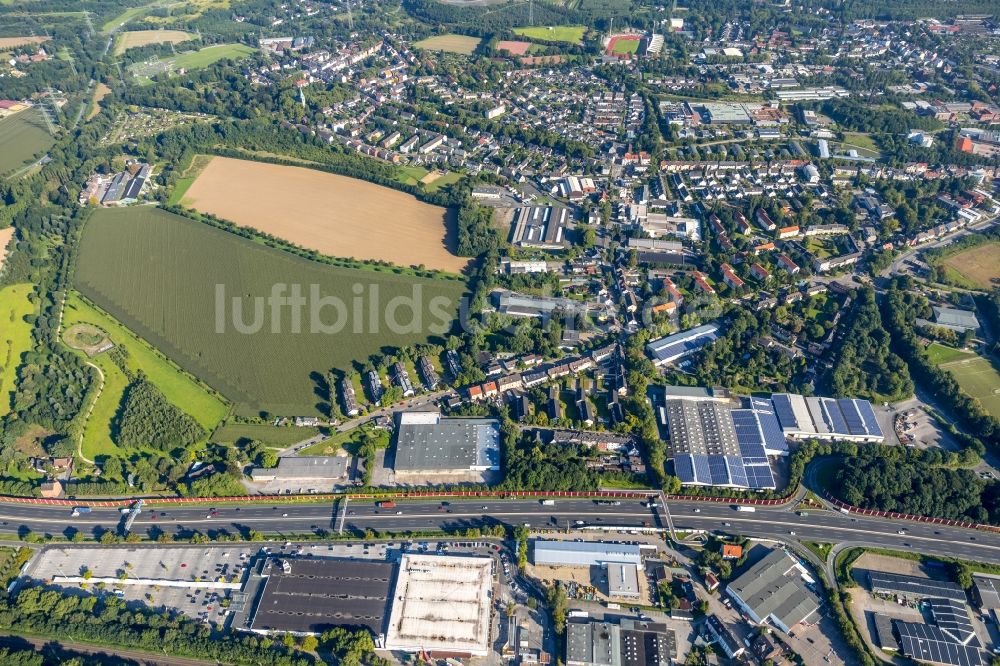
point(423, 515)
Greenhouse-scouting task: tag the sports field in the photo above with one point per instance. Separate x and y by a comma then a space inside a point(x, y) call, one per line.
point(180, 389)
point(980, 379)
point(451, 43)
point(15, 337)
point(938, 354)
point(335, 215)
point(624, 45)
point(513, 47)
point(979, 265)
point(571, 34)
point(22, 136)
point(133, 38)
point(203, 296)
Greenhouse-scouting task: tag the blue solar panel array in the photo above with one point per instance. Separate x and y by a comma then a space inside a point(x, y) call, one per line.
point(837, 422)
point(760, 476)
point(774, 438)
point(783, 410)
point(855, 424)
point(868, 414)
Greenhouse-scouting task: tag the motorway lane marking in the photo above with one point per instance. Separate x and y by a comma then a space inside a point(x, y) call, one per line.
point(969, 543)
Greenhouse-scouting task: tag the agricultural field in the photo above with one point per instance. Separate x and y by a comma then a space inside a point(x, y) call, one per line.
point(14, 42)
point(979, 378)
point(336, 215)
point(15, 338)
point(132, 38)
point(22, 136)
point(200, 295)
point(144, 71)
point(513, 47)
point(100, 92)
point(6, 236)
point(450, 43)
point(180, 389)
point(275, 436)
point(979, 265)
point(570, 34)
point(177, 11)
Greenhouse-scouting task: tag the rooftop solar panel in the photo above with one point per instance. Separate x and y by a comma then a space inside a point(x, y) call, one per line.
point(783, 410)
point(953, 619)
point(684, 468)
point(855, 424)
point(774, 438)
point(911, 586)
point(868, 414)
point(719, 471)
point(737, 473)
point(836, 420)
point(926, 642)
point(759, 477)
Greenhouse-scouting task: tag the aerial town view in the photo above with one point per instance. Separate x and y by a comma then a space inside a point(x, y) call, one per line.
point(499, 332)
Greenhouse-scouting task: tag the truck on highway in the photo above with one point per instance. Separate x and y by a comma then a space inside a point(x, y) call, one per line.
point(747, 509)
point(80, 510)
point(386, 504)
point(548, 502)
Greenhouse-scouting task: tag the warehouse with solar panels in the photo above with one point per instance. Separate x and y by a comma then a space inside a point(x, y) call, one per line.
point(951, 639)
point(716, 441)
point(715, 445)
point(846, 419)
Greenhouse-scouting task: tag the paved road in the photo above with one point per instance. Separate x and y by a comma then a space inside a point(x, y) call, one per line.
point(773, 522)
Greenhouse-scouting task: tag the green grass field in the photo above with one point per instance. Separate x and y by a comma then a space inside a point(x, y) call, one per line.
point(22, 136)
point(571, 34)
point(161, 275)
point(938, 354)
point(980, 379)
point(15, 338)
point(211, 54)
point(623, 46)
point(180, 389)
point(460, 44)
point(280, 436)
point(191, 60)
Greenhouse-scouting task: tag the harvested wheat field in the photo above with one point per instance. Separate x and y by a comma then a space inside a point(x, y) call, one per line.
point(5, 237)
point(14, 42)
point(335, 215)
point(133, 38)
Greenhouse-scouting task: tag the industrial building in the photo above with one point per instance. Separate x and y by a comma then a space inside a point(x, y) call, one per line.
point(955, 319)
point(677, 346)
point(540, 227)
point(584, 553)
point(625, 643)
point(303, 468)
point(714, 444)
point(441, 605)
point(427, 443)
point(623, 580)
point(912, 587)
point(774, 591)
point(827, 418)
point(303, 596)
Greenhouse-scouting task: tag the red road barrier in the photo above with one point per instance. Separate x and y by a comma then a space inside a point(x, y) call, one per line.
point(906, 516)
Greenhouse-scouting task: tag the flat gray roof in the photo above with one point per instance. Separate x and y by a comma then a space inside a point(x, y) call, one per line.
point(450, 444)
point(306, 467)
point(318, 594)
point(774, 587)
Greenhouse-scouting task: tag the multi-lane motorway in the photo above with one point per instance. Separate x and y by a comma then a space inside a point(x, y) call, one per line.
point(424, 515)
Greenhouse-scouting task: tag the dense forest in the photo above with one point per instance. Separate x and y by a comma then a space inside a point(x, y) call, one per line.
point(148, 419)
point(909, 481)
point(864, 366)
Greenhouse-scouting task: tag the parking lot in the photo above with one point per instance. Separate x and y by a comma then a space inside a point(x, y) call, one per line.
point(188, 579)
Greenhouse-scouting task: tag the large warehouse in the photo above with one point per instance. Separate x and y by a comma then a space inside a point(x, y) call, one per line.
point(774, 590)
point(585, 553)
point(427, 443)
point(441, 605)
point(715, 445)
point(677, 346)
point(310, 596)
point(848, 419)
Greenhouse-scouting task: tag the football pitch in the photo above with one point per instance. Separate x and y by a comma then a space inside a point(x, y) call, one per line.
point(980, 379)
